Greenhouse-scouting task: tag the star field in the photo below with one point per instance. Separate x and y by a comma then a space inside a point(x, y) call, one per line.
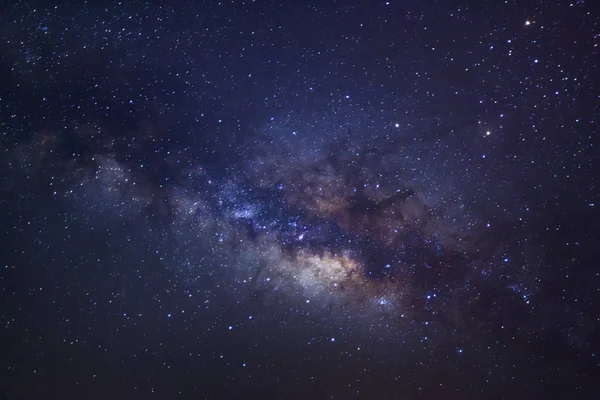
point(299, 199)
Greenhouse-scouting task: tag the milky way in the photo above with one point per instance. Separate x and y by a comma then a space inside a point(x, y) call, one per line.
point(345, 200)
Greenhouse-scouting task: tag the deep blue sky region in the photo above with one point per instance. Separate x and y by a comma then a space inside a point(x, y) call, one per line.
point(299, 199)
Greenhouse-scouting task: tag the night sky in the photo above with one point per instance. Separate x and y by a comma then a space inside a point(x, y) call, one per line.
point(300, 199)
